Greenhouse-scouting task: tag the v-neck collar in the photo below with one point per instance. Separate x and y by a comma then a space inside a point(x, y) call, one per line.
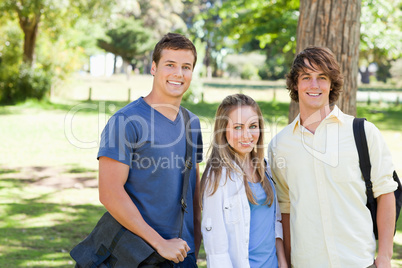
point(153, 110)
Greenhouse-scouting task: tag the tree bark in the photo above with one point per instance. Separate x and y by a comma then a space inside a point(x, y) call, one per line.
point(30, 28)
point(334, 24)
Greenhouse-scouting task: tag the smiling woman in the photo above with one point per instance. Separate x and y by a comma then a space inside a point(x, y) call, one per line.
point(241, 218)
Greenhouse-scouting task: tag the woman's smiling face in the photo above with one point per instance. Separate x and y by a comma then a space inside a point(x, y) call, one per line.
point(243, 130)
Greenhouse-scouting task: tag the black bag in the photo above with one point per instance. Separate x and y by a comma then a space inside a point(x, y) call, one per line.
point(111, 245)
point(365, 166)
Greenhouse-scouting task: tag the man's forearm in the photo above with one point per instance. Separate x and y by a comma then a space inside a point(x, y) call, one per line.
point(385, 225)
point(286, 236)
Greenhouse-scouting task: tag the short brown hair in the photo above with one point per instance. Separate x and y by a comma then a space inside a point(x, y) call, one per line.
point(318, 57)
point(173, 41)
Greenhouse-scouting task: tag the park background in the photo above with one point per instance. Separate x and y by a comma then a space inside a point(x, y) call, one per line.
point(67, 66)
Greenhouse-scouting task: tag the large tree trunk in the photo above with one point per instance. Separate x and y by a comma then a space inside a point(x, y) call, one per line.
point(30, 28)
point(334, 24)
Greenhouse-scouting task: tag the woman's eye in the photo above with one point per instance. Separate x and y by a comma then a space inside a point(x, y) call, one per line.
point(253, 127)
point(237, 127)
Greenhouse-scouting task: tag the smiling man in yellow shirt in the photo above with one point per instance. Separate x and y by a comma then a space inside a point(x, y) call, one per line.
point(320, 188)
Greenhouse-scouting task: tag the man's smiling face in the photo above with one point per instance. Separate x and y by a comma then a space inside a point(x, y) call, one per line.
point(173, 73)
point(313, 88)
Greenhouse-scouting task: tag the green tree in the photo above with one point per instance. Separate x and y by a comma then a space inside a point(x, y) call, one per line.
point(381, 35)
point(161, 16)
point(127, 39)
point(47, 45)
point(53, 14)
point(270, 26)
point(205, 27)
point(158, 16)
point(244, 26)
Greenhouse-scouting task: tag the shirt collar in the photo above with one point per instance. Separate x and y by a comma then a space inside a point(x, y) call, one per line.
point(296, 123)
point(336, 114)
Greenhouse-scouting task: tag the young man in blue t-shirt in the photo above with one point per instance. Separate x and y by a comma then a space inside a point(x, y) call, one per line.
point(141, 158)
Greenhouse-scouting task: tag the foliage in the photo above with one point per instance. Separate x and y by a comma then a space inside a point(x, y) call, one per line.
point(236, 65)
point(396, 72)
point(260, 23)
point(249, 72)
point(159, 15)
point(50, 14)
point(381, 35)
point(254, 25)
point(26, 83)
point(275, 68)
point(55, 22)
point(57, 15)
point(10, 46)
point(18, 81)
point(271, 26)
point(127, 38)
point(195, 91)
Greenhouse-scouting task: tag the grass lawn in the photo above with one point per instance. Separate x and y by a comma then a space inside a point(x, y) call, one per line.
point(48, 167)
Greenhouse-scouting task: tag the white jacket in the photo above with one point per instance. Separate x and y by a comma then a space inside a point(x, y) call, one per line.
point(225, 223)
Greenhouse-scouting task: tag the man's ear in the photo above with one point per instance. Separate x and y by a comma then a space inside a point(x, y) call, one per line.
point(153, 68)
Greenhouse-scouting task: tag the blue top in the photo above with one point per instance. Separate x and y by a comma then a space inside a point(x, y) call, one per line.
point(154, 147)
point(262, 249)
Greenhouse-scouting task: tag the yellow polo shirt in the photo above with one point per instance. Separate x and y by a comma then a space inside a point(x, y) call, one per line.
point(319, 182)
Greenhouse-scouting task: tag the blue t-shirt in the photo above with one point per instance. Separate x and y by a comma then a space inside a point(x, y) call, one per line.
point(154, 147)
point(262, 248)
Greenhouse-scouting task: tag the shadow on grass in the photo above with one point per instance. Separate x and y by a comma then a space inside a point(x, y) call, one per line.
point(35, 230)
point(78, 169)
point(68, 176)
point(46, 244)
point(8, 171)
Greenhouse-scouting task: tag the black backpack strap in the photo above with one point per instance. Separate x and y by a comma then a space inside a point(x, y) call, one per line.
point(364, 159)
point(188, 165)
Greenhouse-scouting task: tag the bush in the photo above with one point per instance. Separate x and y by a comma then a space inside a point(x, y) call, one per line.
point(244, 65)
point(23, 84)
point(18, 81)
point(233, 70)
point(272, 72)
point(249, 72)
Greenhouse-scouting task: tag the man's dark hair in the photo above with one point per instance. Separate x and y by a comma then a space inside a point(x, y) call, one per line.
point(317, 57)
point(173, 41)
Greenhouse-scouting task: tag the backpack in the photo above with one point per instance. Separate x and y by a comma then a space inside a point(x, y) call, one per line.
point(365, 167)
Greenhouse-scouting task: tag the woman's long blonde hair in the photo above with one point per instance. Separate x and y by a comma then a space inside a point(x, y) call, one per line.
point(222, 155)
